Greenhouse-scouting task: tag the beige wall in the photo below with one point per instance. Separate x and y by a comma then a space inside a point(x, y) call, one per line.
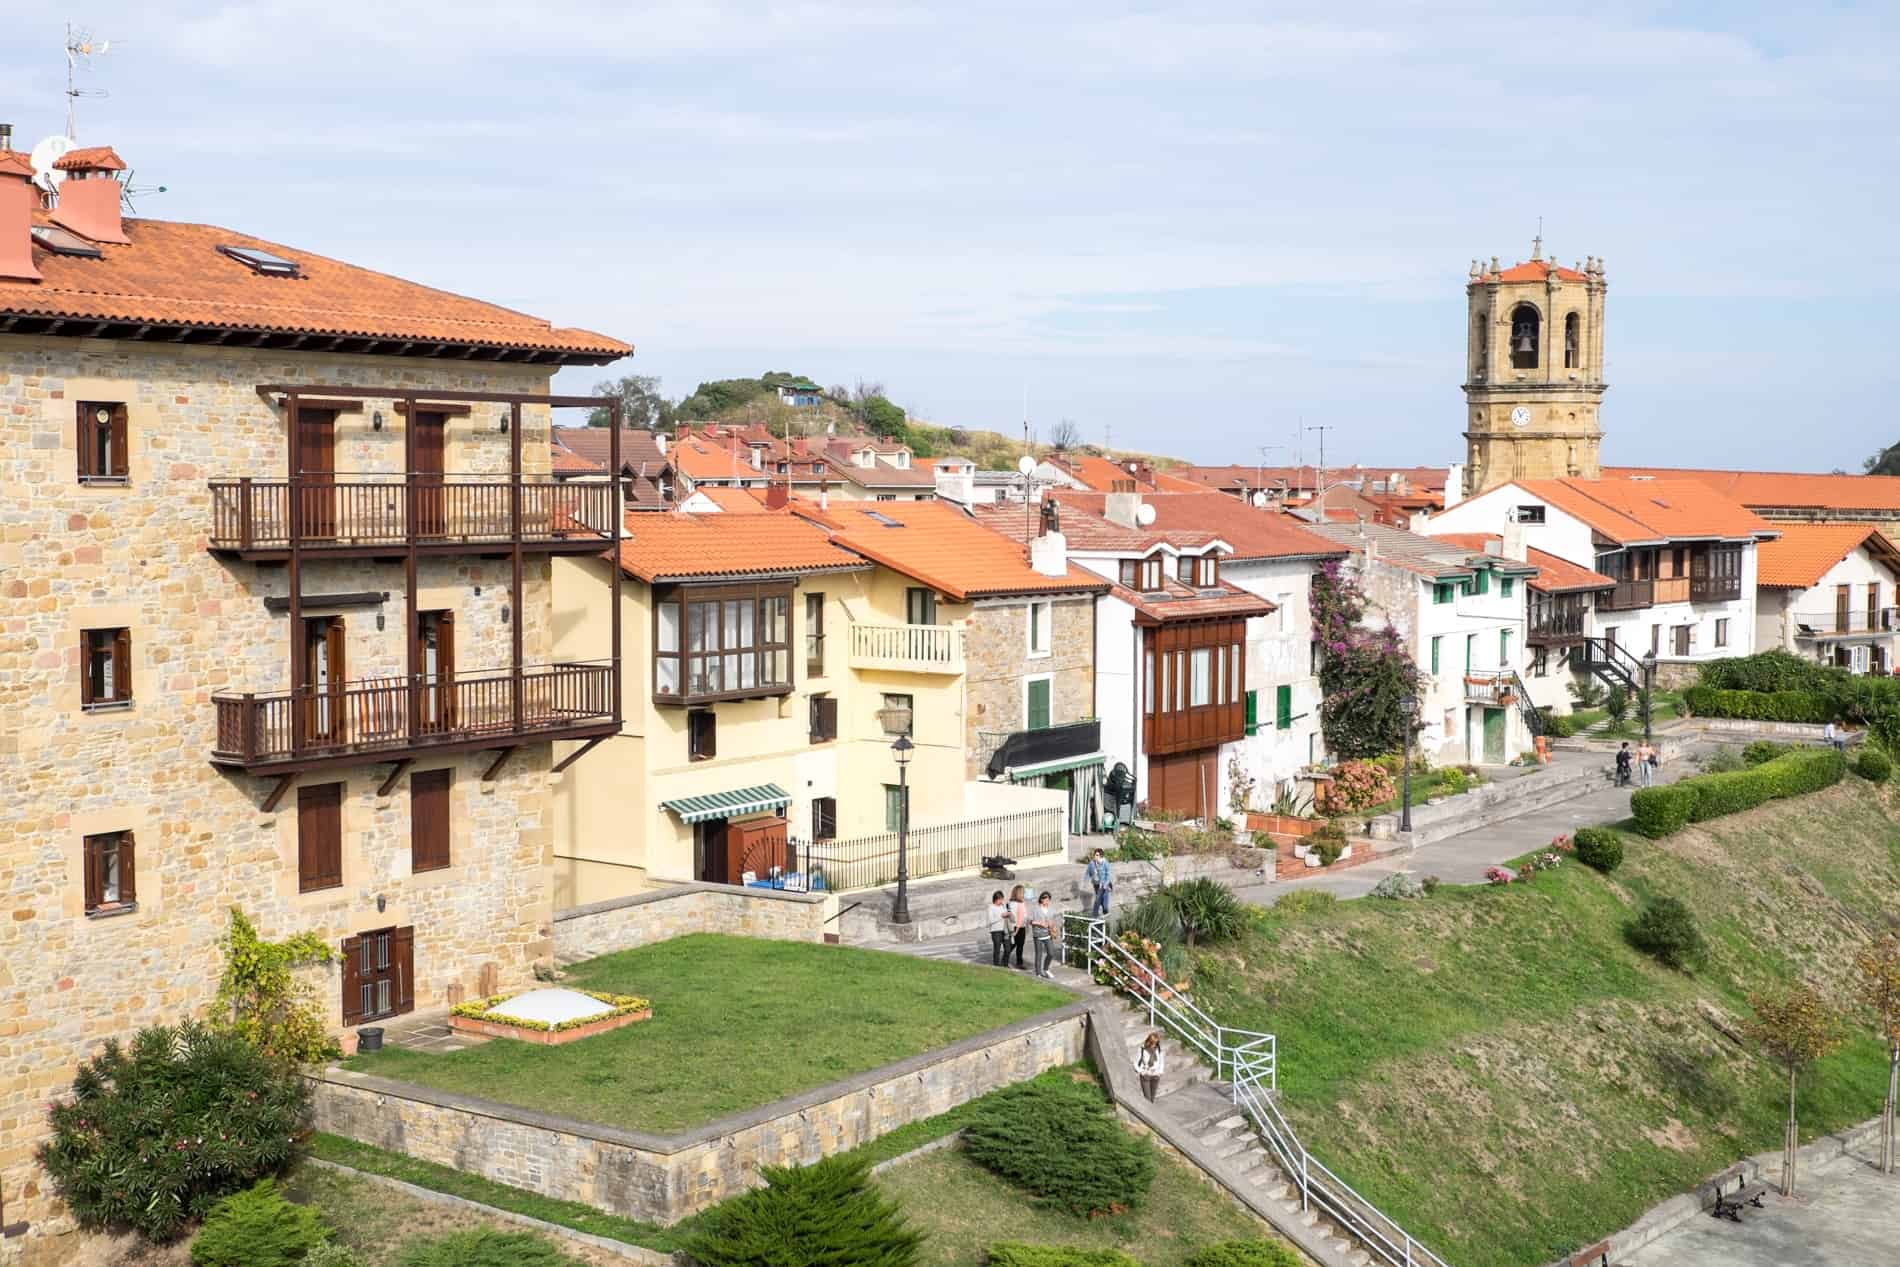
point(1563, 434)
point(74, 557)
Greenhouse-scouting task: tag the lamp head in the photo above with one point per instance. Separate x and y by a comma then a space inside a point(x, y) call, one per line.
point(902, 749)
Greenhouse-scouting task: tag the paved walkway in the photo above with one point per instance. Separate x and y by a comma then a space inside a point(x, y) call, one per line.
point(1847, 1214)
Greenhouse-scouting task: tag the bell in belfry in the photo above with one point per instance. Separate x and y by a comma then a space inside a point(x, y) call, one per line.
point(1524, 343)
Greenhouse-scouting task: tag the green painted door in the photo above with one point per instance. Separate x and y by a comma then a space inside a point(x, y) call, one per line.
point(1038, 708)
point(1494, 722)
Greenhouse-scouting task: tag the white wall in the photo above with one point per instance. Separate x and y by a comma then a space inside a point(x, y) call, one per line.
point(1279, 652)
point(1779, 611)
point(1116, 644)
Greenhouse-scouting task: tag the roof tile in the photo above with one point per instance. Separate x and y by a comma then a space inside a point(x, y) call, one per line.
point(677, 546)
point(1804, 553)
point(943, 547)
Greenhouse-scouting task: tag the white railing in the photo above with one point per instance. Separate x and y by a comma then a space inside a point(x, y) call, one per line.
point(908, 648)
point(1248, 1059)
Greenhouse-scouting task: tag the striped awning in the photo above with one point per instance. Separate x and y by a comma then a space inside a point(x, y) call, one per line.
point(1017, 773)
point(744, 800)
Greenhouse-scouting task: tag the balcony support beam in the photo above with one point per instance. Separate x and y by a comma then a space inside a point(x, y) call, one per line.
point(577, 754)
point(494, 767)
point(395, 772)
point(276, 794)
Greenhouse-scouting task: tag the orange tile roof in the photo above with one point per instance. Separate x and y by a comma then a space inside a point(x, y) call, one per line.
point(1535, 271)
point(736, 501)
point(14, 163)
point(94, 158)
point(1631, 512)
point(1805, 552)
point(1179, 602)
point(1554, 575)
point(639, 451)
point(564, 461)
point(1082, 529)
point(674, 545)
point(702, 459)
point(1784, 489)
point(940, 545)
point(1253, 533)
point(169, 273)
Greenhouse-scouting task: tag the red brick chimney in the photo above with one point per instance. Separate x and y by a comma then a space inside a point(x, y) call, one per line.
point(89, 196)
point(778, 494)
point(18, 198)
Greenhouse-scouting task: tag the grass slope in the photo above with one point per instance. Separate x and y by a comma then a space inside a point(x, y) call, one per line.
point(1505, 1076)
point(737, 1022)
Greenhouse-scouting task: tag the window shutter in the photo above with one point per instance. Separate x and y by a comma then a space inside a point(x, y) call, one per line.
point(119, 456)
point(85, 669)
point(122, 664)
point(88, 463)
point(90, 848)
point(352, 980)
point(128, 870)
point(1283, 707)
point(402, 962)
point(1253, 711)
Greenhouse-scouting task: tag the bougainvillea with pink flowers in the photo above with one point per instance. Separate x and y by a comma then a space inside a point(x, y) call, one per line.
point(1364, 673)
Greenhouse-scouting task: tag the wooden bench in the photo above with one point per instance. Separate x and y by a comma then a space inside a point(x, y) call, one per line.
point(1727, 1203)
point(1597, 1255)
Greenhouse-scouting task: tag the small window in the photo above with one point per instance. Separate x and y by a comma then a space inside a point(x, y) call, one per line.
point(60, 242)
point(262, 262)
point(102, 443)
point(1442, 593)
point(1252, 714)
point(1504, 648)
point(1283, 708)
point(1507, 586)
point(1200, 678)
point(824, 718)
point(894, 807)
point(1150, 575)
point(1531, 514)
point(824, 818)
point(1437, 642)
point(319, 837)
point(1041, 622)
point(702, 735)
point(896, 716)
point(1684, 639)
point(920, 606)
point(1721, 631)
point(110, 873)
point(429, 820)
point(105, 668)
point(1036, 703)
point(1540, 661)
point(814, 635)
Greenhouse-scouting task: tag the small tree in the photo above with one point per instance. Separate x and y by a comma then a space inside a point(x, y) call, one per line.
point(1878, 967)
point(1364, 675)
point(261, 999)
point(641, 404)
point(1795, 1027)
point(1066, 434)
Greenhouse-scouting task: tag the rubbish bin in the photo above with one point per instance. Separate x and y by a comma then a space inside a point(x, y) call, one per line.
point(369, 1038)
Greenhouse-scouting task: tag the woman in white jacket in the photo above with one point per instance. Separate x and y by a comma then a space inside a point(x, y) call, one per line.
point(1148, 1065)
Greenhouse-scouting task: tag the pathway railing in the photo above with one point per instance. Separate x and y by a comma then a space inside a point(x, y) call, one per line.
point(1249, 1061)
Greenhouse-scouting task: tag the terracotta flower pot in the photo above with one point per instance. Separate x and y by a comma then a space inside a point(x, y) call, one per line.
point(347, 1041)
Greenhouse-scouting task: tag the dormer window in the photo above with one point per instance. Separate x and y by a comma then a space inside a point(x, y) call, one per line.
point(1200, 571)
point(1143, 575)
point(902, 459)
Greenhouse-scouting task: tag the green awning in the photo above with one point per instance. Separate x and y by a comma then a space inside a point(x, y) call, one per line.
point(744, 800)
point(1019, 772)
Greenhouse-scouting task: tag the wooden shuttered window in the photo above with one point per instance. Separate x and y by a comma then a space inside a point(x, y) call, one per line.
point(824, 817)
point(105, 667)
point(379, 974)
point(101, 437)
point(319, 837)
point(353, 998)
point(111, 871)
point(824, 718)
point(429, 820)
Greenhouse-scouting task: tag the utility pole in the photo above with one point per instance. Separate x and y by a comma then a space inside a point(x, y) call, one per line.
point(1319, 478)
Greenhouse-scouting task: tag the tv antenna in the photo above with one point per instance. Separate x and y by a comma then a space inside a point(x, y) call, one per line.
point(81, 48)
point(1319, 481)
point(128, 191)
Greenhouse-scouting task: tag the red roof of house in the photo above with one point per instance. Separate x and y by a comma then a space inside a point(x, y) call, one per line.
point(1783, 489)
point(564, 461)
point(736, 501)
point(1536, 271)
point(723, 459)
point(1554, 575)
point(639, 449)
point(1805, 552)
point(943, 547)
point(1253, 533)
point(678, 546)
point(95, 158)
point(14, 163)
point(168, 273)
point(1631, 512)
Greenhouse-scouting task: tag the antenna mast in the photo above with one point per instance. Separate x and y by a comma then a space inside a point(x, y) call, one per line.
point(1319, 478)
point(80, 48)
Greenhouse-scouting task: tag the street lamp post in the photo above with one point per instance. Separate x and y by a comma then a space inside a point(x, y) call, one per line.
point(900, 751)
point(1408, 708)
point(1649, 682)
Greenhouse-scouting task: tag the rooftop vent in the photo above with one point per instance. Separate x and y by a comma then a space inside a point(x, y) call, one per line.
point(60, 242)
point(262, 262)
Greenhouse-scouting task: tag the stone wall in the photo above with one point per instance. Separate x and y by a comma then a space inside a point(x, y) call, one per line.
point(997, 661)
point(600, 928)
point(74, 557)
point(664, 1178)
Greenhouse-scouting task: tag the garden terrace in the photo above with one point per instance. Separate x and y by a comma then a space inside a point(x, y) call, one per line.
point(736, 1023)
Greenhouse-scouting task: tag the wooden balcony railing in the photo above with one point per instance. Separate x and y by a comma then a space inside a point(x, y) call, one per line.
point(1628, 594)
point(1715, 589)
point(1555, 624)
point(908, 648)
point(369, 512)
point(387, 718)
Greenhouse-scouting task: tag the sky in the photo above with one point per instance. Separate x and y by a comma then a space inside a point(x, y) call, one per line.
point(1196, 229)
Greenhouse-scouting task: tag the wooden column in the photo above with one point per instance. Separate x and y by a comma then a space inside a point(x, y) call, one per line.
point(294, 569)
point(613, 554)
point(410, 625)
point(514, 534)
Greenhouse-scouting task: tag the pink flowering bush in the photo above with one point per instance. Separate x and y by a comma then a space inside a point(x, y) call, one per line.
point(1499, 875)
point(1562, 844)
point(1357, 784)
point(1364, 673)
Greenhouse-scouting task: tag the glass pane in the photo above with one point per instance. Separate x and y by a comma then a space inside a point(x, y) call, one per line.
point(382, 952)
point(1233, 675)
point(109, 872)
point(1148, 682)
point(696, 615)
point(1201, 666)
point(669, 626)
point(367, 1003)
point(779, 663)
point(1167, 693)
point(382, 995)
point(667, 677)
point(739, 671)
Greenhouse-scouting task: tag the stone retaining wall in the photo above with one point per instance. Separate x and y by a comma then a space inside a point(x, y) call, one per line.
point(1490, 803)
point(664, 1178)
point(622, 923)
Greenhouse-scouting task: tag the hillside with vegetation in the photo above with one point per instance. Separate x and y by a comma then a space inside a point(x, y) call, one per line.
point(1504, 1073)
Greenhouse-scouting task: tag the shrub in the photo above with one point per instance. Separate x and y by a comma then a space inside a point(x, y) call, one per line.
point(1499, 875)
point(1399, 886)
point(331, 1254)
point(486, 1248)
point(1667, 930)
point(261, 998)
point(1788, 706)
point(1305, 902)
point(1453, 782)
point(1599, 847)
point(1586, 692)
point(828, 1212)
point(1206, 908)
point(1135, 845)
point(1429, 885)
point(1558, 725)
point(157, 1132)
point(1011, 1254)
point(1357, 784)
point(1873, 765)
point(1662, 811)
point(1061, 1144)
point(1723, 760)
point(1616, 705)
point(257, 1227)
point(1328, 842)
point(1760, 750)
point(1151, 919)
point(1245, 1254)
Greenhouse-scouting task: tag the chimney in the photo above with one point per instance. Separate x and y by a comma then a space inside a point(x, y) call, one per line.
point(18, 198)
point(89, 196)
point(659, 440)
point(1120, 506)
point(1454, 484)
point(1514, 545)
point(778, 494)
point(1049, 553)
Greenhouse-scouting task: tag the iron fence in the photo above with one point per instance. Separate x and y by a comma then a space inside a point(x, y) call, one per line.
point(866, 862)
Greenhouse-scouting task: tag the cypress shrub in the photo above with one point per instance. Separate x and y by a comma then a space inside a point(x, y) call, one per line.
point(828, 1214)
point(1245, 1254)
point(1873, 765)
point(1599, 847)
point(257, 1227)
point(1668, 931)
point(1012, 1254)
point(1060, 1143)
point(1662, 811)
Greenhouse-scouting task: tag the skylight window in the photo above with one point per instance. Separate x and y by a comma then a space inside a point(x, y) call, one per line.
point(260, 261)
point(60, 242)
point(886, 520)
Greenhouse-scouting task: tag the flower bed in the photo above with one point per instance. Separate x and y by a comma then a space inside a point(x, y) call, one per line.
point(487, 1018)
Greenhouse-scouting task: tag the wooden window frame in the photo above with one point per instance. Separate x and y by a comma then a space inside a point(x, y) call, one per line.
point(117, 468)
point(764, 599)
point(1721, 631)
point(824, 818)
point(824, 718)
point(120, 848)
point(1169, 722)
point(1041, 612)
point(431, 855)
point(702, 734)
point(814, 635)
point(312, 877)
point(920, 600)
point(120, 651)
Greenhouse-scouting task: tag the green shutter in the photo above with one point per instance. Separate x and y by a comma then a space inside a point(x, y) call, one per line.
point(1441, 592)
point(1506, 585)
point(1504, 648)
point(1436, 642)
point(1253, 711)
point(1483, 582)
point(1038, 706)
point(1283, 707)
point(893, 807)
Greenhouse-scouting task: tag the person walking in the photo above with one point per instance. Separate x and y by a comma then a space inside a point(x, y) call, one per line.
point(1042, 926)
point(1102, 880)
point(998, 917)
point(1645, 764)
point(1148, 1064)
point(1835, 737)
point(1623, 760)
point(1018, 922)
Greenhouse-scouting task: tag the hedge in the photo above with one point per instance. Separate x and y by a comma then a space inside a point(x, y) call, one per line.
point(1793, 706)
point(1011, 1254)
point(1855, 697)
point(1662, 811)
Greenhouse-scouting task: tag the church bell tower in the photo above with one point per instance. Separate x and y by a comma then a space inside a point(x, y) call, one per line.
point(1533, 370)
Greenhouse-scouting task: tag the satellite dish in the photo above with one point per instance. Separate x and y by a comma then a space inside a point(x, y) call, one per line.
point(1144, 515)
point(1259, 499)
point(1026, 464)
point(45, 154)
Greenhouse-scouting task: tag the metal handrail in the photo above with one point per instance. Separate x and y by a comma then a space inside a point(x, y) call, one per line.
point(1250, 1061)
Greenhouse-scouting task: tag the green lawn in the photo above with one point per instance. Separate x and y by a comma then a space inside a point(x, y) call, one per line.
point(737, 1022)
point(1503, 1074)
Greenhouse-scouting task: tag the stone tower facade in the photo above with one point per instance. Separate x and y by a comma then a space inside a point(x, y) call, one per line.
point(1533, 370)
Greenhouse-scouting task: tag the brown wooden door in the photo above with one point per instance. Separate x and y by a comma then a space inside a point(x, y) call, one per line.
point(323, 698)
point(714, 862)
point(435, 658)
point(1183, 783)
point(316, 464)
point(431, 499)
point(1843, 607)
point(379, 974)
point(319, 837)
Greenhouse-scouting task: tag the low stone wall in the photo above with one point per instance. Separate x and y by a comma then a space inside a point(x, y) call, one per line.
point(1490, 803)
point(622, 923)
point(664, 1178)
point(1748, 728)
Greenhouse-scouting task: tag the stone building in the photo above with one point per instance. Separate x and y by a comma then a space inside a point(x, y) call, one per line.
point(1534, 371)
point(275, 539)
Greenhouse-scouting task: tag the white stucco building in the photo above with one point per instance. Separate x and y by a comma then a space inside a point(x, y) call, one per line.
point(1826, 592)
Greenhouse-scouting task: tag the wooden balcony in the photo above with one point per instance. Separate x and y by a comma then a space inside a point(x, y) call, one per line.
point(1837, 623)
point(1492, 687)
point(1628, 595)
point(1561, 622)
point(378, 515)
point(389, 719)
point(1715, 589)
point(908, 648)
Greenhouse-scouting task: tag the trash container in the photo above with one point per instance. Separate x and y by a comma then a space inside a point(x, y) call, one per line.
point(369, 1038)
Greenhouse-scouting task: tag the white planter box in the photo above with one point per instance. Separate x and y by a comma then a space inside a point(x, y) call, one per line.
point(1345, 853)
point(1312, 859)
point(1301, 851)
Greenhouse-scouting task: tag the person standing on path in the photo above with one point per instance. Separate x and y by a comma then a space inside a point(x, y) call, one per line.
point(1102, 880)
point(1018, 922)
point(1042, 925)
point(1148, 1065)
point(1645, 765)
point(998, 917)
point(1623, 765)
